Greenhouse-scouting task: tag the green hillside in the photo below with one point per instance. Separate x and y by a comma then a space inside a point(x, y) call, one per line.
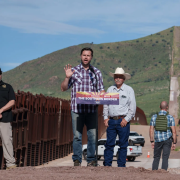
point(147, 59)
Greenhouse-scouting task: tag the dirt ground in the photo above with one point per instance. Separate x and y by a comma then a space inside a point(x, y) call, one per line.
point(81, 173)
point(92, 173)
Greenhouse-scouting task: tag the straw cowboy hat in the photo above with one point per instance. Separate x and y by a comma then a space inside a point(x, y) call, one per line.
point(122, 72)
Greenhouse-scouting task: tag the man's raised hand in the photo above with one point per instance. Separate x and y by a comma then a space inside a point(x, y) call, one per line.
point(68, 71)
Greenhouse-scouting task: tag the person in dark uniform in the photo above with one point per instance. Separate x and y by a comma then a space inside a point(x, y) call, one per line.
point(7, 100)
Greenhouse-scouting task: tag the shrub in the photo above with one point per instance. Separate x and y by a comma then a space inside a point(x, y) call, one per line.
point(98, 63)
point(153, 44)
point(119, 61)
point(144, 40)
point(137, 41)
point(101, 47)
point(158, 33)
point(171, 30)
point(117, 47)
point(133, 73)
point(108, 47)
point(156, 41)
point(155, 65)
point(149, 80)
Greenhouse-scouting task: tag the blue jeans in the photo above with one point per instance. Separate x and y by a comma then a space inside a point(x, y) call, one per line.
point(112, 131)
point(78, 121)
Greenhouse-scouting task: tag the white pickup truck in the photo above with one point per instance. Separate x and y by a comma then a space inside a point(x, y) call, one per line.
point(132, 151)
point(135, 138)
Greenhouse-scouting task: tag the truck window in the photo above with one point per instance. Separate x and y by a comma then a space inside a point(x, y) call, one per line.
point(133, 134)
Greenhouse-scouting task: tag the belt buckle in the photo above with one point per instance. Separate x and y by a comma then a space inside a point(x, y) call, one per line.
point(116, 118)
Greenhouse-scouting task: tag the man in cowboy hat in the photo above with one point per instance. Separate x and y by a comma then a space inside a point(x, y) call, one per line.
point(7, 100)
point(117, 118)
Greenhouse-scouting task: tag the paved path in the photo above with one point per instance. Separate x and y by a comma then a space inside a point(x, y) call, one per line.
point(139, 162)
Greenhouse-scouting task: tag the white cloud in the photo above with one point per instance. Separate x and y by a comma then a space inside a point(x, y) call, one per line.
point(89, 17)
point(45, 26)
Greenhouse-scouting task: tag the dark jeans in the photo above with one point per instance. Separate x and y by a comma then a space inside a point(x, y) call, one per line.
point(78, 122)
point(164, 146)
point(112, 131)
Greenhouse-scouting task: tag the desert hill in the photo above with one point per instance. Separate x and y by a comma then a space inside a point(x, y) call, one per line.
point(147, 59)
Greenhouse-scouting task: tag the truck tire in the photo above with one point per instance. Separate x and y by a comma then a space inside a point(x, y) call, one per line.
point(117, 155)
point(142, 145)
point(85, 155)
point(99, 157)
point(131, 158)
point(131, 143)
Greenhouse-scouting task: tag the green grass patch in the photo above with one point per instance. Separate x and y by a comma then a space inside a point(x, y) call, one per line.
point(148, 120)
point(177, 149)
point(135, 123)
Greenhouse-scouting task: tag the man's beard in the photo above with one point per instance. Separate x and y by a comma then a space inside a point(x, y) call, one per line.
point(85, 64)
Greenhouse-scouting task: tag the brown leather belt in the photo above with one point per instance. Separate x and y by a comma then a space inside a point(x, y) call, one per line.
point(117, 117)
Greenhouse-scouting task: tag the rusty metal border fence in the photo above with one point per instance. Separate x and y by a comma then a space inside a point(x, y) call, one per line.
point(42, 129)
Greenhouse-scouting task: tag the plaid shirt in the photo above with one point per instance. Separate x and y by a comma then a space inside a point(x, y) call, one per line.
point(160, 136)
point(84, 81)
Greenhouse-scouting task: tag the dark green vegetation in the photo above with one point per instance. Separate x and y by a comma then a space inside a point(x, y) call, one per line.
point(146, 59)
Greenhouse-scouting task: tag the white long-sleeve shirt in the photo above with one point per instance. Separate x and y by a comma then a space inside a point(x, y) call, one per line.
point(127, 103)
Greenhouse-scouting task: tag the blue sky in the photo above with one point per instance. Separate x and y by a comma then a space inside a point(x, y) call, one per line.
point(33, 28)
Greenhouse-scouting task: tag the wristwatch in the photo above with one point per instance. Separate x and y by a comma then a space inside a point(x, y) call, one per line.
point(152, 141)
